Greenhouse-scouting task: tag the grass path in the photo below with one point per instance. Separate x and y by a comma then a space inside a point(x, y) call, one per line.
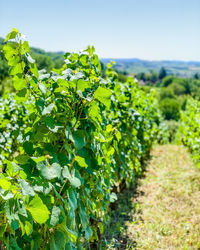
point(166, 209)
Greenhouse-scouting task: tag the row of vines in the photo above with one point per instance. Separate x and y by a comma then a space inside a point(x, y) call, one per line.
point(69, 140)
point(189, 131)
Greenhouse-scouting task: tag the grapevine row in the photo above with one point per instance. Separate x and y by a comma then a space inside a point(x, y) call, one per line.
point(69, 140)
point(189, 132)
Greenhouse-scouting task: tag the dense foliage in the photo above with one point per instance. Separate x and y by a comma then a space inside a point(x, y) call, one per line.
point(167, 132)
point(172, 91)
point(68, 140)
point(189, 131)
point(170, 109)
point(44, 60)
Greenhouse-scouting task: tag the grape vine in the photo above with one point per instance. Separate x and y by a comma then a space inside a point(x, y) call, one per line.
point(189, 132)
point(68, 140)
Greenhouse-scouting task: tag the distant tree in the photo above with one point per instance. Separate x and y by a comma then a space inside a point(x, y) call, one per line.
point(166, 93)
point(153, 76)
point(103, 70)
point(167, 81)
point(37, 51)
point(124, 72)
point(6, 86)
point(141, 76)
point(102, 66)
point(196, 91)
point(182, 99)
point(162, 73)
point(44, 62)
point(145, 88)
point(122, 78)
point(196, 76)
point(170, 109)
point(178, 88)
point(188, 85)
point(3, 66)
point(47, 60)
point(157, 84)
point(58, 63)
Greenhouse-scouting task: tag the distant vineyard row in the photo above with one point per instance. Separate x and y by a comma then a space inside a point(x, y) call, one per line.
point(69, 140)
point(189, 130)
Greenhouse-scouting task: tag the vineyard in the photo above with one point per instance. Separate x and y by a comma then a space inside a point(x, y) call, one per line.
point(70, 142)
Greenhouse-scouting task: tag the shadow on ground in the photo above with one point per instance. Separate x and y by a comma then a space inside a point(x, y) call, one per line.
point(123, 212)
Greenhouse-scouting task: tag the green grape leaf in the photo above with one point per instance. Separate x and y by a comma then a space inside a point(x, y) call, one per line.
point(81, 161)
point(2, 230)
point(28, 147)
point(42, 88)
point(51, 124)
point(57, 241)
point(82, 85)
point(103, 95)
point(28, 228)
point(113, 197)
point(17, 69)
point(79, 140)
point(12, 217)
point(5, 184)
point(34, 70)
point(13, 244)
point(72, 178)
point(38, 210)
point(66, 173)
point(55, 215)
point(22, 92)
point(63, 83)
point(29, 58)
point(88, 232)
point(94, 113)
point(68, 134)
point(90, 50)
point(26, 188)
point(19, 83)
point(12, 34)
point(26, 46)
point(74, 181)
point(83, 216)
point(77, 137)
point(22, 159)
point(72, 198)
point(49, 172)
point(48, 109)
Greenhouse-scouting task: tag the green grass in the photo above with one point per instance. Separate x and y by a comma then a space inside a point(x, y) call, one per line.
point(164, 212)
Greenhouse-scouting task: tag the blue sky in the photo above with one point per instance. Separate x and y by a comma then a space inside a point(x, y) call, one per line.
point(146, 29)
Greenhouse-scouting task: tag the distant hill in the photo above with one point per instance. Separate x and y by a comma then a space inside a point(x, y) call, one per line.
point(135, 66)
point(131, 66)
